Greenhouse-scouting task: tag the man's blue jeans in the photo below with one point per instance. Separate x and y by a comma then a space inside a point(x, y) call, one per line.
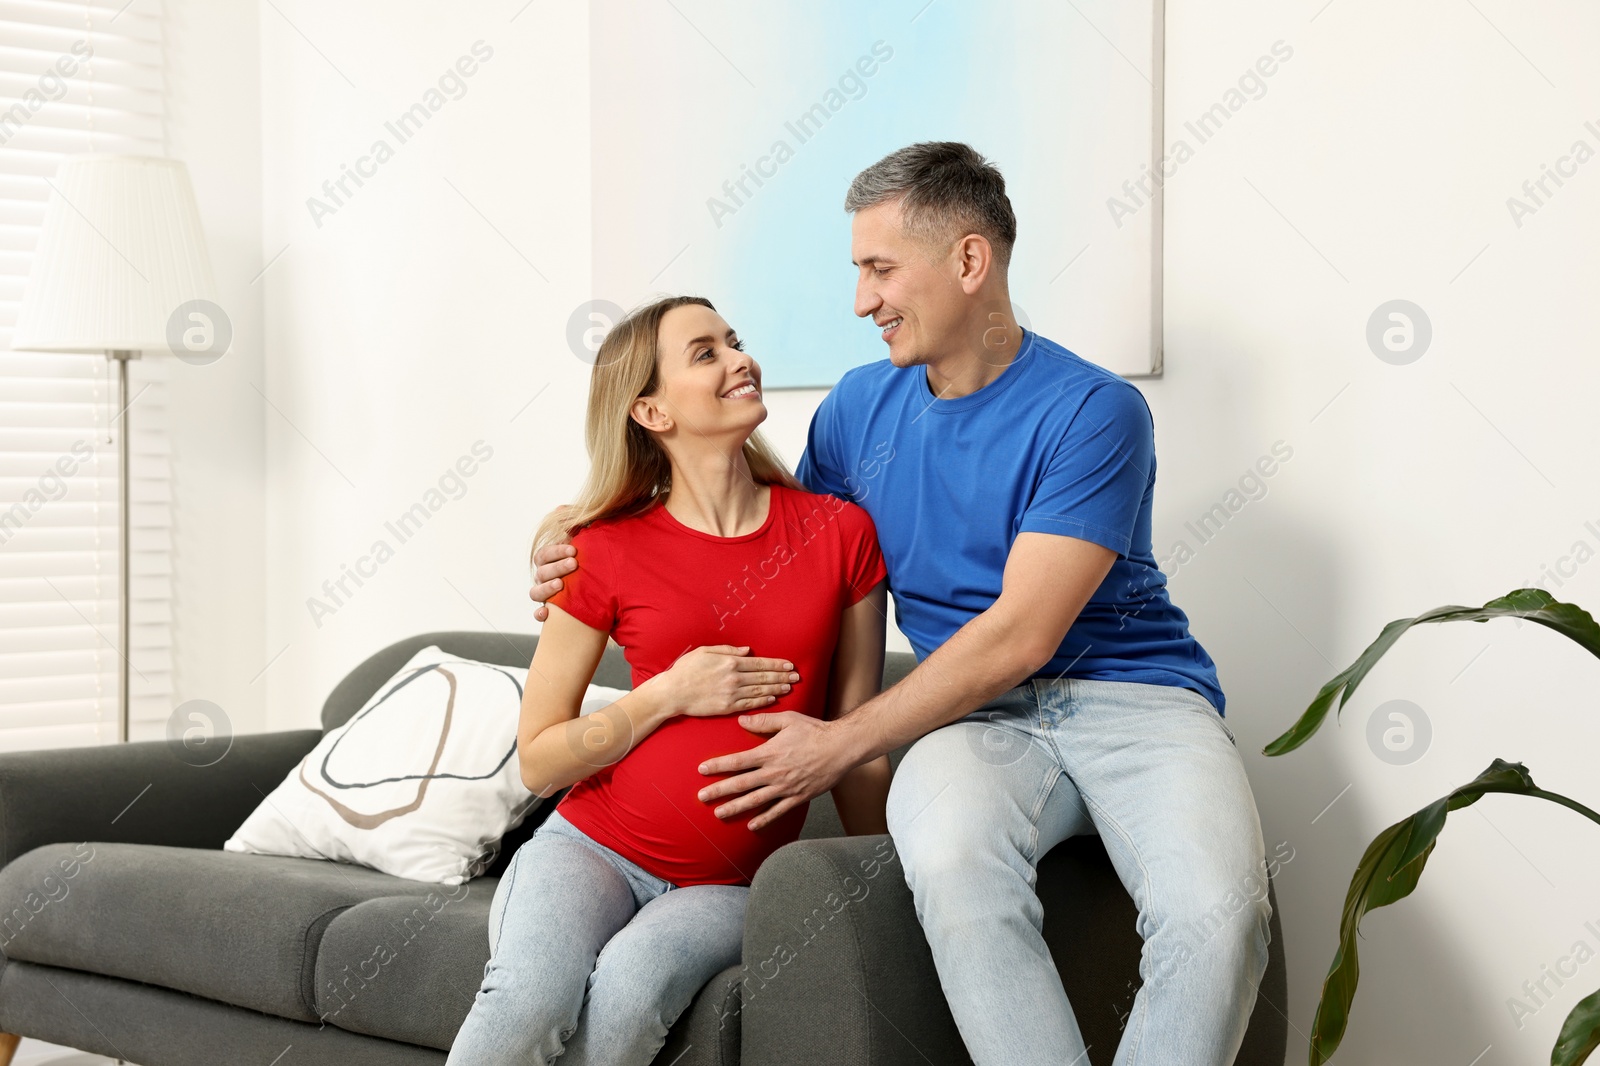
point(1154, 770)
point(591, 957)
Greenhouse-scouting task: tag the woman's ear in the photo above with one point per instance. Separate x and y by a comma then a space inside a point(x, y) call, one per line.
point(647, 411)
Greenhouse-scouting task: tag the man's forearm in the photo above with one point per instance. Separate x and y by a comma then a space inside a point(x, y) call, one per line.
point(984, 658)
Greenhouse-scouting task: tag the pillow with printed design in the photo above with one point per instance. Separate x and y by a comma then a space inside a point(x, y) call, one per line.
point(421, 783)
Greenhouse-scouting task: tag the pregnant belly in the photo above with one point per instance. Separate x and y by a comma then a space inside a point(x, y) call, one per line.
point(647, 808)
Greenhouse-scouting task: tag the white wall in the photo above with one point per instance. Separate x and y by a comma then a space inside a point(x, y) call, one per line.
point(1377, 167)
point(215, 416)
point(425, 314)
point(414, 322)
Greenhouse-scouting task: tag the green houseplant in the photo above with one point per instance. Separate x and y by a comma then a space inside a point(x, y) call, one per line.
point(1393, 862)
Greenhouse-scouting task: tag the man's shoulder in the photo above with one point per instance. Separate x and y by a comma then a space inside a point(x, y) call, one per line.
point(1068, 381)
point(860, 383)
point(1075, 376)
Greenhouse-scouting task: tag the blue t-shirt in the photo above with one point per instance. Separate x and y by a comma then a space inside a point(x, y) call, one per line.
point(1055, 444)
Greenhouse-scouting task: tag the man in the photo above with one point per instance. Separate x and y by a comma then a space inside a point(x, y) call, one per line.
point(1058, 690)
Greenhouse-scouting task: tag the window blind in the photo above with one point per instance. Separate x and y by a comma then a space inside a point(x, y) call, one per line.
point(77, 77)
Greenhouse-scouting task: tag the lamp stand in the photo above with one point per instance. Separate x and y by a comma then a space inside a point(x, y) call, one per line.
point(125, 520)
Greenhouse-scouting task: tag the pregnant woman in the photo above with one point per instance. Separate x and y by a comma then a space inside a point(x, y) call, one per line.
point(730, 589)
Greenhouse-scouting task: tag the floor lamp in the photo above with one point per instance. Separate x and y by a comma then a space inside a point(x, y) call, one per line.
point(120, 263)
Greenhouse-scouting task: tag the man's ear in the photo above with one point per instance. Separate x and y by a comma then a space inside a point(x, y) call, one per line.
point(648, 412)
point(974, 261)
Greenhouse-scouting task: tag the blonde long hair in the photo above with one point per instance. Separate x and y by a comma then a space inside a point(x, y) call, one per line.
point(628, 467)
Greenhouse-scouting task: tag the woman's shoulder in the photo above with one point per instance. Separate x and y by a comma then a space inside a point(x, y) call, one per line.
point(612, 528)
point(853, 515)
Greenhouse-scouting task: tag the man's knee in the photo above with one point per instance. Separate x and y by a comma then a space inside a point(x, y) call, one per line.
point(928, 784)
point(932, 834)
point(952, 811)
point(1228, 932)
point(954, 855)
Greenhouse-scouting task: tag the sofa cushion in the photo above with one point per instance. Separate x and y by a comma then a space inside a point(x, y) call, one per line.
point(406, 968)
point(242, 929)
point(135, 1022)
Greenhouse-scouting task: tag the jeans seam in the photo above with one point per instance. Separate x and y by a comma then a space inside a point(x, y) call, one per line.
point(1144, 874)
point(1046, 787)
point(1054, 736)
point(511, 872)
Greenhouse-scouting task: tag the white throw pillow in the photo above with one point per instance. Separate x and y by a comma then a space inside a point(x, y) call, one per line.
point(422, 782)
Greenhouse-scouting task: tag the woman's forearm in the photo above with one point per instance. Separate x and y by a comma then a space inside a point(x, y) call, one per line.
point(862, 793)
point(569, 751)
point(861, 797)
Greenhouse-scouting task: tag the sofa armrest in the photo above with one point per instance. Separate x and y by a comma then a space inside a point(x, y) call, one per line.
point(836, 968)
point(139, 793)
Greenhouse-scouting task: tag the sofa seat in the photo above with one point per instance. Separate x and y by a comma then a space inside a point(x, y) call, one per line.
point(241, 929)
point(153, 1026)
point(406, 968)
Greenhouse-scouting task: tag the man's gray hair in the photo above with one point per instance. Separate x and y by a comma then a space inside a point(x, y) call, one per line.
point(946, 190)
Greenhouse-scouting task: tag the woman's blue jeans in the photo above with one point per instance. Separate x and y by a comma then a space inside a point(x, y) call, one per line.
point(1155, 772)
point(591, 957)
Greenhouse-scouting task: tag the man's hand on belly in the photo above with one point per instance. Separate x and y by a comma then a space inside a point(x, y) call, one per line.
point(800, 761)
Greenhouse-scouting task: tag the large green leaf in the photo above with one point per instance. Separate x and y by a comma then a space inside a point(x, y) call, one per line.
point(1389, 871)
point(1580, 1034)
point(1536, 605)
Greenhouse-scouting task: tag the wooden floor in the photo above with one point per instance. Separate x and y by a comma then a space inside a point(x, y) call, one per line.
point(14, 1051)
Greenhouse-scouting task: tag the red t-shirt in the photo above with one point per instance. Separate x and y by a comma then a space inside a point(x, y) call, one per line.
point(660, 589)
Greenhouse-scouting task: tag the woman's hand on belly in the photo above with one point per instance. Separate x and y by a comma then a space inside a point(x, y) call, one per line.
point(722, 679)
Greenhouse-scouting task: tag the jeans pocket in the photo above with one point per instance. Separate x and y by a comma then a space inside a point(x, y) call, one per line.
point(1195, 699)
point(1223, 722)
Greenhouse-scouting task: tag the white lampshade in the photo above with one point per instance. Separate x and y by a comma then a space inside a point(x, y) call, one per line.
point(120, 250)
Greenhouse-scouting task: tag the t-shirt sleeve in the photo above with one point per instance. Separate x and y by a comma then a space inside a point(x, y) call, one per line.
point(1096, 479)
point(589, 593)
point(819, 470)
point(863, 560)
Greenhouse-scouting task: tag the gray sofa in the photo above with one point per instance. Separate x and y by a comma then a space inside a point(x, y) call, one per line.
point(128, 932)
